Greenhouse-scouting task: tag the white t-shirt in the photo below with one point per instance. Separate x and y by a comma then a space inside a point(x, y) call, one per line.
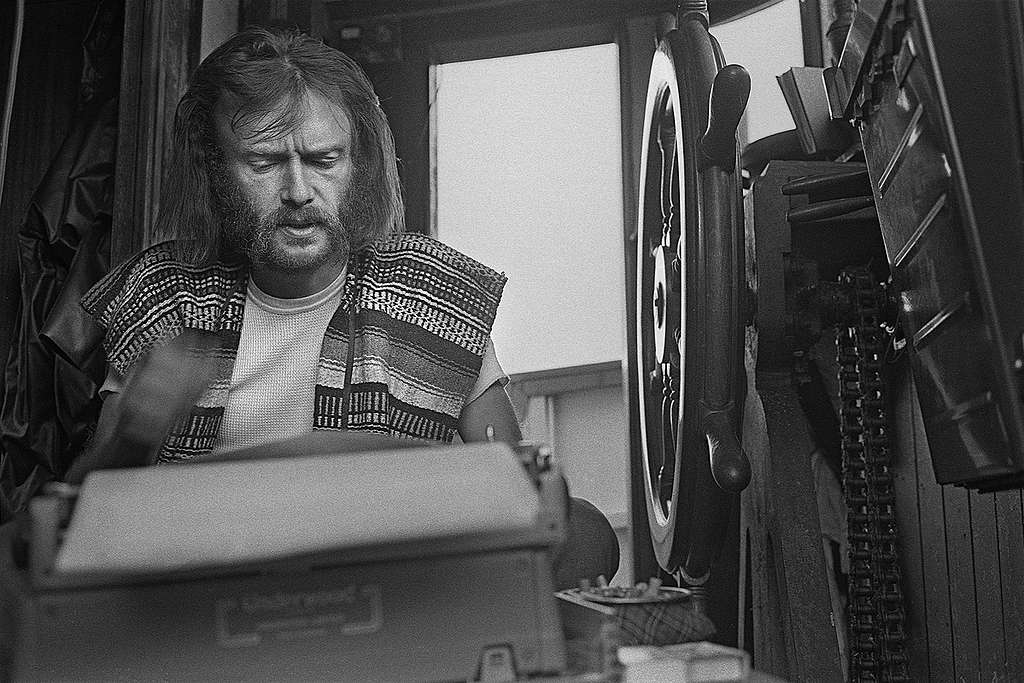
point(273, 382)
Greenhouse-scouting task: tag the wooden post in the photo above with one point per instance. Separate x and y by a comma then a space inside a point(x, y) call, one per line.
point(161, 48)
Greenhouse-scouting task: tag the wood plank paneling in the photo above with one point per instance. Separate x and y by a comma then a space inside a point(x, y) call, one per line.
point(1010, 531)
point(970, 588)
point(161, 48)
point(931, 535)
point(988, 598)
point(962, 558)
point(956, 508)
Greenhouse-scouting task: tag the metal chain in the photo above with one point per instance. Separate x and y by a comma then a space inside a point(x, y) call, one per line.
point(875, 599)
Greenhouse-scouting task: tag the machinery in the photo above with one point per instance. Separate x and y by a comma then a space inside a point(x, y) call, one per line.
point(882, 343)
point(247, 582)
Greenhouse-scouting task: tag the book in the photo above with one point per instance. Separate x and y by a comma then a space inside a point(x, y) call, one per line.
point(808, 102)
point(702, 662)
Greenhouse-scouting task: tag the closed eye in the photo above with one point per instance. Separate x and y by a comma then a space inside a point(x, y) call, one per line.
point(325, 161)
point(261, 163)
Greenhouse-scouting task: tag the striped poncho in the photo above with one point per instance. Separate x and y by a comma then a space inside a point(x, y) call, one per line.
point(419, 312)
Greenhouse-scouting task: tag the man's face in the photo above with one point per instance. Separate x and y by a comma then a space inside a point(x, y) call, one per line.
point(287, 201)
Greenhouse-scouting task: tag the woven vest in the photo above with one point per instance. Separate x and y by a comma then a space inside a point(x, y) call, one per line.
point(399, 357)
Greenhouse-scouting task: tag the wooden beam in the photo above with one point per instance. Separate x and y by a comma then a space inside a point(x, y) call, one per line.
point(161, 48)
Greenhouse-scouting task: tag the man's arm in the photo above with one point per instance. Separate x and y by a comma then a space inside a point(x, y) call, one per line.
point(492, 408)
point(133, 422)
point(105, 449)
point(591, 548)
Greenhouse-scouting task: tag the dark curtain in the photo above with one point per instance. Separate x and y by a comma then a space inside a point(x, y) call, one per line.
point(55, 364)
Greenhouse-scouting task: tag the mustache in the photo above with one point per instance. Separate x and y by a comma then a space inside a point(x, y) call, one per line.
point(302, 216)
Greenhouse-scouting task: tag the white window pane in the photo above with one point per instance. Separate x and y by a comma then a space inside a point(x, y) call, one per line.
point(744, 42)
point(529, 181)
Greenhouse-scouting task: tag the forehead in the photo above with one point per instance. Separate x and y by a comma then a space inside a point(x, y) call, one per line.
point(312, 121)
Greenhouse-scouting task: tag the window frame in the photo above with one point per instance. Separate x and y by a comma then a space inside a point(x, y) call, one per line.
point(561, 379)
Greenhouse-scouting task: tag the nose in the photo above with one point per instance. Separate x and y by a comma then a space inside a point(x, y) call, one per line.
point(296, 189)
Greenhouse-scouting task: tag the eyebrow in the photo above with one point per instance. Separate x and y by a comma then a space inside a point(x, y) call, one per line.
point(256, 152)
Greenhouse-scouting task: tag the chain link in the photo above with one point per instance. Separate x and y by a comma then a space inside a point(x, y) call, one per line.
point(875, 611)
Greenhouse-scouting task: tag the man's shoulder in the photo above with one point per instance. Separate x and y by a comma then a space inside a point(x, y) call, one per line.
point(165, 258)
point(152, 274)
point(419, 280)
point(426, 249)
point(168, 256)
point(154, 295)
point(411, 242)
point(156, 256)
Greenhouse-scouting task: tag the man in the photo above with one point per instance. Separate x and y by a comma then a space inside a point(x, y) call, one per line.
point(285, 203)
point(288, 298)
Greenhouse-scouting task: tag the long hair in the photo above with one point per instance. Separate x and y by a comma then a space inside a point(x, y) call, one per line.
point(256, 70)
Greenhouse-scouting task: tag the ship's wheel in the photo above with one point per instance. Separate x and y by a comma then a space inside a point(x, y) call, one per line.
point(690, 284)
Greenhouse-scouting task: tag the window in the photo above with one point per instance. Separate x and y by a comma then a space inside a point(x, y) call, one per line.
point(766, 112)
point(529, 181)
point(528, 162)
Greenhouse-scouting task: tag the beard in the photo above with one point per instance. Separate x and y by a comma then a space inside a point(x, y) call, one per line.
point(255, 236)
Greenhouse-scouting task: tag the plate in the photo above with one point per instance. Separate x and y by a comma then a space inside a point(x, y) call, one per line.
point(664, 594)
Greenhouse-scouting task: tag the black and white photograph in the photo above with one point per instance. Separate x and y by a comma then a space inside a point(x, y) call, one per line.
point(589, 341)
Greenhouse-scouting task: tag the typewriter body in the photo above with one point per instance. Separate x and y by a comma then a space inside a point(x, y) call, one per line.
point(427, 563)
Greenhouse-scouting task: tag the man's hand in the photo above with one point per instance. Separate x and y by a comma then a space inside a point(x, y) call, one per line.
point(133, 423)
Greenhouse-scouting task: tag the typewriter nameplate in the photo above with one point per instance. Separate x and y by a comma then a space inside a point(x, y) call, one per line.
point(248, 619)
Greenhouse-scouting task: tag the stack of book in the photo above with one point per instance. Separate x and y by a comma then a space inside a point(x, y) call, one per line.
point(804, 90)
point(689, 662)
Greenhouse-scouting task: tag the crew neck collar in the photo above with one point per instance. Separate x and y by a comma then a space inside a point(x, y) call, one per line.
point(298, 305)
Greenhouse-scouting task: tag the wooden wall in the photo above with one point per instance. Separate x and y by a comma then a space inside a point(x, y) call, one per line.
point(161, 49)
point(962, 558)
point(961, 552)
